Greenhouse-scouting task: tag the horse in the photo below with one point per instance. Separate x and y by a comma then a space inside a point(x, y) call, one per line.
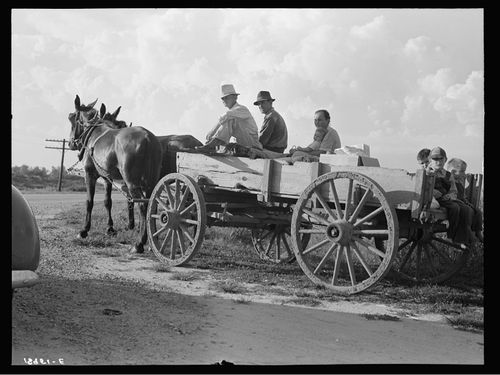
point(131, 154)
point(170, 144)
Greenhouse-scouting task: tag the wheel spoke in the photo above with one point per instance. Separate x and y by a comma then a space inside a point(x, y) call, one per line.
point(407, 256)
point(348, 201)
point(160, 202)
point(189, 221)
point(403, 245)
point(336, 268)
point(321, 219)
point(318, 245)
point(371, 232)
point(188, 209)
point(442, 254)
point(172, 245)
point(323, 260)
point(417, 262)
point(369, 216)
point(350, 266)
point(186, 233)
point(448, 242)
point(270, 245)
point(159, 231)
point(183, 199)
point(180, 239)
point(164, 243)
point(326, 206)
point(336, 199)
point(313, 231)
point(431, 263)
point(361, 258)
point(169, 195)
point(287, 247)
point(359, 206)
point(177, 193)
point(278, 253)
point(369, 246)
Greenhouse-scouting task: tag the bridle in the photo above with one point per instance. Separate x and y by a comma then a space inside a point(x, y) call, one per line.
point(84, 127)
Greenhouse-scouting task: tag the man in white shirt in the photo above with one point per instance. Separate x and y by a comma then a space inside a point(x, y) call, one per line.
point(237, 122)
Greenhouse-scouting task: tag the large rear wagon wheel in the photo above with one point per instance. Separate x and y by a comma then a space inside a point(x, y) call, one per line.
point(341, 254)
point(429, 258)
point(176, 219)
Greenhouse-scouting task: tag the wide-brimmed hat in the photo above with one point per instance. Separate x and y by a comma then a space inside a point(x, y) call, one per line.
point(437, 153)
point(262, 96)
point(228, 89)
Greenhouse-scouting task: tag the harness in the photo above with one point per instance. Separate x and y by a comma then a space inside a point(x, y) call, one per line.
point(83, 139)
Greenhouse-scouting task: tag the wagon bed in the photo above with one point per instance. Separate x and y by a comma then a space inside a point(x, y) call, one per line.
point(346, 220)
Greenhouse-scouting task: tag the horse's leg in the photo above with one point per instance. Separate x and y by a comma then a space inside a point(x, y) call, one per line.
point(90, 181)
point(131, 220)
point(108, 204)
point(138, 247)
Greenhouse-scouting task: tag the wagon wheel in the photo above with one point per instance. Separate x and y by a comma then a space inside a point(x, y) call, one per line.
point(273, 243)
point(341, 255)
point(427, 257)
point(176, 219)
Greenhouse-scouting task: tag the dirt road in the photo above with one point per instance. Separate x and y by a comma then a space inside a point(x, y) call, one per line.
point(113, 311)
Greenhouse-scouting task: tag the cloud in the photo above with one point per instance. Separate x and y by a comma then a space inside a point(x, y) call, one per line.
point(372, 30)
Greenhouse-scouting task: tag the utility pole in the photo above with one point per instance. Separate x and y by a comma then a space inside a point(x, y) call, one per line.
point(63, 148)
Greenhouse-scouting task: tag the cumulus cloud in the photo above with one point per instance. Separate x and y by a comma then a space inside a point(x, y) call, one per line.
point(379, 78)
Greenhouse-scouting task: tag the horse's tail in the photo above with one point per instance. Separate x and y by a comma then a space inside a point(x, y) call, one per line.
point(152, 165)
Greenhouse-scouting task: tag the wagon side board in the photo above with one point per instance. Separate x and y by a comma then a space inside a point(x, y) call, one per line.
point(276, 178)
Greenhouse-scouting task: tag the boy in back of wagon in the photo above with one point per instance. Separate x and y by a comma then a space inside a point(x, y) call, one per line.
point(457, 168)
point(237, 122)
point(446, 193)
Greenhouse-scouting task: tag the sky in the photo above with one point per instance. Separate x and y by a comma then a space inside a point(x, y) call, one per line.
point(397, 80)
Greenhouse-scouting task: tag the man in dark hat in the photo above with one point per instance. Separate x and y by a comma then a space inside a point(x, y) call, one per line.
point(273, 134)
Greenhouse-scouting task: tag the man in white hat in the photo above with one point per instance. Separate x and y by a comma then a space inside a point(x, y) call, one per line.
point(237, 122)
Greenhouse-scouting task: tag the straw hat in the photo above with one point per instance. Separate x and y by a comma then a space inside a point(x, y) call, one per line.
point(228, 89)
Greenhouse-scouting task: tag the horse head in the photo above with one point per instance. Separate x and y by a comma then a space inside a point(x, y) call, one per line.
point(110, 118)
point(83, 116)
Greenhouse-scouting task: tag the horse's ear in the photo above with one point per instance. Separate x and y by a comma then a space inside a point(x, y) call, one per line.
point(77, 103)
point(130, 124)
point(115, 113)
point(91, 105)
point(103, 110)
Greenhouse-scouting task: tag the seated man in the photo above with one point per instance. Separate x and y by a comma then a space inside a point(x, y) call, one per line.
point(237, 122)
point(273, 134)
point(329, 143)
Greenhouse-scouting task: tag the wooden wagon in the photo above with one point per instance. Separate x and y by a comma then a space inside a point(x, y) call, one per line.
point(344, 219)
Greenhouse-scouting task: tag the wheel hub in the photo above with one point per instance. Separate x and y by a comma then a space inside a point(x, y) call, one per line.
point(339, 231)
point(170, 218)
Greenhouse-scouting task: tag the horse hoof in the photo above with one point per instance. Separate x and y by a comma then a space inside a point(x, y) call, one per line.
point(137, 249)
point(82, 234)
point(111, 232)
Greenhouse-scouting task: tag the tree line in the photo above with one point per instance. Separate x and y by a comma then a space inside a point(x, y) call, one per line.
point(26, 177)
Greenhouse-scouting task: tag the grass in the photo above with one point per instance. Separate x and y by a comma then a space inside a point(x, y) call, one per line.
point(228, 253)
point(188, 276)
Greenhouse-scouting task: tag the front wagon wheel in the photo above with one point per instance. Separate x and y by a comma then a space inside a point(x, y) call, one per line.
point(176, 219)
point(346, 211)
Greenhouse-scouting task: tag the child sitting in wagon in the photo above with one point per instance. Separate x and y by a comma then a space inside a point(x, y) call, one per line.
point(457, 168)
point(303, 153)
point(445, 192)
